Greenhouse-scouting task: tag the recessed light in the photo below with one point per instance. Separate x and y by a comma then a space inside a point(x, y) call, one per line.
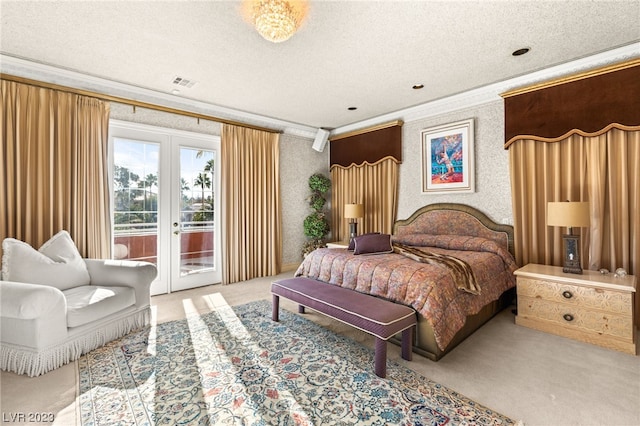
point(352, 108)
point(418, 86)
point(520, 52)
point(175, 91)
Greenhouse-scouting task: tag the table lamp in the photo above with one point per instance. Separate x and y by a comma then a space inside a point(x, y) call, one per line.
point(353, 212)
point(570, 214)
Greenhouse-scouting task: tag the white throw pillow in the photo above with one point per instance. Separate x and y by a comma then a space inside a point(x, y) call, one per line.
point(58, 262)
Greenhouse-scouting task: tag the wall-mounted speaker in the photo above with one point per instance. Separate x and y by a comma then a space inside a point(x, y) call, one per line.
point(321, 140)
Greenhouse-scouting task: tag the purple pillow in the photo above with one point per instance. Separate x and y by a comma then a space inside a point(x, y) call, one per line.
point(352, 243)
point(373, 244)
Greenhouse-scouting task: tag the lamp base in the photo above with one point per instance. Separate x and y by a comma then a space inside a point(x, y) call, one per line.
point(572, 254)
point(571, 270)
point(353, 231)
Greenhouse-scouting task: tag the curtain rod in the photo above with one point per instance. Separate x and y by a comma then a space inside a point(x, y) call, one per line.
point(131, 102)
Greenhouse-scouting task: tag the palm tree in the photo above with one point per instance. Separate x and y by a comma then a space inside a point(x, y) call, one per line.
point(203, 180)
point(209, 167)
point(149, 181)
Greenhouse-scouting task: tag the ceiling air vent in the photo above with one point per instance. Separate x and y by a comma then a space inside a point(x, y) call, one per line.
point(184, 82)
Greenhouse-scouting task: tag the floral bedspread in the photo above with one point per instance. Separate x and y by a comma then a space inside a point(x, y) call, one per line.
point(429, 289)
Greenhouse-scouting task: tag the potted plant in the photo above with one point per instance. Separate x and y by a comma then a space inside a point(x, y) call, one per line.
point(316, 225)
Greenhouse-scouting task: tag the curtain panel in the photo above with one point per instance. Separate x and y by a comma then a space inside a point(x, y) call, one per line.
point(251, 212)
point(364, 168)
point(375, 186)
point(54, 168)
point(601, 169)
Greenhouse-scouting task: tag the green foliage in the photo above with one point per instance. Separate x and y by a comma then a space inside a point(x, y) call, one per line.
point(319, 183)
point(202, 216)
point(317, 202)
point(316, 225)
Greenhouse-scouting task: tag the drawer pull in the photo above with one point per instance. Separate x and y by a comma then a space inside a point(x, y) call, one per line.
point(568, 317)
point(567, 294)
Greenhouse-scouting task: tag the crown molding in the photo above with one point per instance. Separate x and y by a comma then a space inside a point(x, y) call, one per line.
point(492, 92)
point(37, 71)
point(24, 68)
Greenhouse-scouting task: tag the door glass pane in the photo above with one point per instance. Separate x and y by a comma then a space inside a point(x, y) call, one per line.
point(135, 199)
point(197, 177)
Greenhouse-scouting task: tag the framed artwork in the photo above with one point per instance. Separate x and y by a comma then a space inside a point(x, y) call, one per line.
point(447, 158)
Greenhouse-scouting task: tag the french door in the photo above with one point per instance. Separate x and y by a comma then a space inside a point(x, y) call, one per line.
point(166, 204)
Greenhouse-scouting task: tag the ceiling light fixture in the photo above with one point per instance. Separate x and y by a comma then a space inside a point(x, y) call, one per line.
point(277, 20)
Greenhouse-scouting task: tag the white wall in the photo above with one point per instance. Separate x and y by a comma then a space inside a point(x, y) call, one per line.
point(492, 185)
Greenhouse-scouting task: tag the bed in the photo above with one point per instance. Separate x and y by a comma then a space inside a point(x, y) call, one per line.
point(448, 310)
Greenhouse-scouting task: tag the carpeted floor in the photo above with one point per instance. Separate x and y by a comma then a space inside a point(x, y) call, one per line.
point(236, 366)
point(542, 379)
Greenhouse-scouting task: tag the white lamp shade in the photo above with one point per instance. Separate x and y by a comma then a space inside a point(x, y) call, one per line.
point(568, 213)
point(353, 211)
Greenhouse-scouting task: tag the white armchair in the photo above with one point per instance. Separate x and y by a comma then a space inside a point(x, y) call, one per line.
point(43, 327)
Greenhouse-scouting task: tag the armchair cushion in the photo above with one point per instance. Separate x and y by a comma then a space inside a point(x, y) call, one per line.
point(29, 301)
point(43, 327)
point(89, 303)
point(58, 263)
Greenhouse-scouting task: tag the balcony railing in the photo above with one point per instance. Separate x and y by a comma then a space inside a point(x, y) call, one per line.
point(138, 241)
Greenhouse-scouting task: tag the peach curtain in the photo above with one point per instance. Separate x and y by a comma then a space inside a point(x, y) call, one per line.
point(251, 212)
point(602, 169)
point(374, 185)
point(54, 167)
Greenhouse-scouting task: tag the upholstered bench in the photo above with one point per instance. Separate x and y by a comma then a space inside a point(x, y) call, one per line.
point(378, 317)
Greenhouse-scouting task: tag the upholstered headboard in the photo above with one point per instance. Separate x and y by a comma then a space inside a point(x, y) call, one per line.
point(455, 219)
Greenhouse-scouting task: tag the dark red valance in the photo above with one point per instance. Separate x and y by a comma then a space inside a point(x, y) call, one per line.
point(587, 104)
point(370, 146)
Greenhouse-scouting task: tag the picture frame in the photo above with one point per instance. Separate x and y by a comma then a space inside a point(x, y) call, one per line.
point(448, 163)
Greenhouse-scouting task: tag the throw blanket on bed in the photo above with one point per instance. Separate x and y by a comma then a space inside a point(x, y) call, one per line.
point(429, 288)
point(459, 269)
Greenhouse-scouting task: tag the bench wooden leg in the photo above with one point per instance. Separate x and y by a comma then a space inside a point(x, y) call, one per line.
point(381, 358)
point(300, 309)
point(275, 308)
point(407, 343)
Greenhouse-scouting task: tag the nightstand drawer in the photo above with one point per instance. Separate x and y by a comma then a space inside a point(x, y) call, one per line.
point(586, 297)
point(590, 307)
point(577, 317)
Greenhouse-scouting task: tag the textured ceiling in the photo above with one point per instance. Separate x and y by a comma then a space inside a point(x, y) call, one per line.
point(358, 53)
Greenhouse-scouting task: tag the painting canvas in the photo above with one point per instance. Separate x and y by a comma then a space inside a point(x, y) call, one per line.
point(447, 158)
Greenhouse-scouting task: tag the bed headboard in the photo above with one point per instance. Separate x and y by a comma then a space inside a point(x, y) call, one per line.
point(455, 219)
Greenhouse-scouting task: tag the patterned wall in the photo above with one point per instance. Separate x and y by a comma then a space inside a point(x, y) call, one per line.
point(298, 161)
point(492, 187)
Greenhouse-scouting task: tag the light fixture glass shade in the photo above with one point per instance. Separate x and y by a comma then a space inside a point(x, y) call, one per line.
point(277, 20)
point(353, 211)
point(568, 213)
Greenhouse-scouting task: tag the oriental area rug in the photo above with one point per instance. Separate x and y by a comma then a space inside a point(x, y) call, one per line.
point(235, 366)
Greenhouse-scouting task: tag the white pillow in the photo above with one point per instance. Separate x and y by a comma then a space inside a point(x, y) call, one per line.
point(58, 262)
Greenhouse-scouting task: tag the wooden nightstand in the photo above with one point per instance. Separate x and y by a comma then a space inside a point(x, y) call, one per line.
point(590, 307)
point(338, 244)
